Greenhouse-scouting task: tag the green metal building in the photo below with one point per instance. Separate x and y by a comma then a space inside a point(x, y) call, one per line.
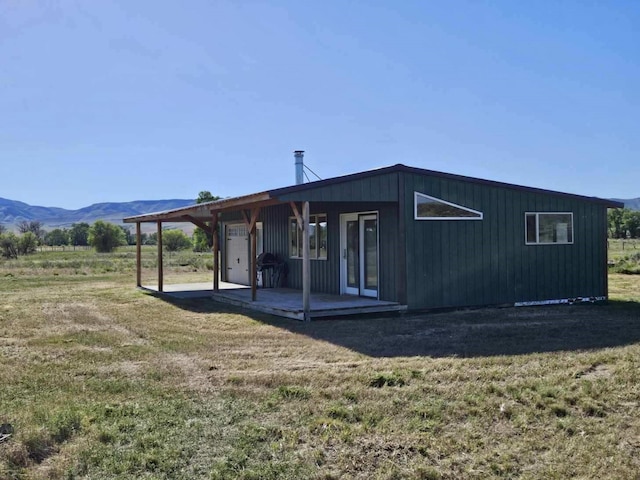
point(416, 238)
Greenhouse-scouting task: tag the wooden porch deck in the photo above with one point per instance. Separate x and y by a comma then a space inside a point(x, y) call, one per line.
point(284, 302)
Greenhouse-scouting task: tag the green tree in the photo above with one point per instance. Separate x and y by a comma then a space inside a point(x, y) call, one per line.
point(129, 237)
point(57, 237)
point(79, 234)
point(9, 245)
point(34, 227)
point(202, 239)
point(105, 237)
point(174, 240)
point(27, 243)
point(151, 239)
point(614, 218)
point(631, 223)
point(2, 229)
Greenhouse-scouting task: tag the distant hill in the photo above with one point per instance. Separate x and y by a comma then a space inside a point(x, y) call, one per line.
point(632, 204)
point(13, 212)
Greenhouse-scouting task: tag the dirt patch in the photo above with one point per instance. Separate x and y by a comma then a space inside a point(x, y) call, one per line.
point(195, 375)
point(61, 318)
point(595, 372)
point(128, 368)
point(85, 314)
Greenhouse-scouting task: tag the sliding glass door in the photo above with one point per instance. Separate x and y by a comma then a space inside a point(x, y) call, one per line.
point(359, 262)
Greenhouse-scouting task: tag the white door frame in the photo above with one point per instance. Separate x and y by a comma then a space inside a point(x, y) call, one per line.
point(344, 287)
point(242, 259)
point(260, 245)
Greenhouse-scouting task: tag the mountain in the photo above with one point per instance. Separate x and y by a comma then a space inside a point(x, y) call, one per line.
point(631, 204)
point(13, 212)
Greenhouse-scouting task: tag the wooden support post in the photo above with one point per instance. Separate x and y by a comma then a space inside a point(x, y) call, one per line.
point(160, 273)
point(250, 222)
point(138, 255)
point(306, 264)
point(254, 267)
point(216, 252)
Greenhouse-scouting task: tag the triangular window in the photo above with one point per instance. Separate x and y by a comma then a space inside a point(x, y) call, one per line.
point(431, 208)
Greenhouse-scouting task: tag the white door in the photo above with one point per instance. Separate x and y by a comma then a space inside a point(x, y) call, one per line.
point(359, 262)
point(237, 246)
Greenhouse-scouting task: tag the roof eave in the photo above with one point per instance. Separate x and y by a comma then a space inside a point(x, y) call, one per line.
point(271, 197)
point(449, 176)
point(205, 210)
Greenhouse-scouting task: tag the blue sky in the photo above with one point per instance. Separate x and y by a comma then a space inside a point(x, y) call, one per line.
point(126, 100)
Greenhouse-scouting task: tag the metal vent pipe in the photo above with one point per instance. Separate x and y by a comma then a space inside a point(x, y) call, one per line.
point(299, 159)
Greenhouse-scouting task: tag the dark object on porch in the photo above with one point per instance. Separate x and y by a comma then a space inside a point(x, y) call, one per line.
point(268, 263)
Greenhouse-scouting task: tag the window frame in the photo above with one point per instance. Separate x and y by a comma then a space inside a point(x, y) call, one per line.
point(537, 216)
point(313, 219)
point(480, 215)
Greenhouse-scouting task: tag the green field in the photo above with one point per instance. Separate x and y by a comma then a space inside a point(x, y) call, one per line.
point(624, 256)
point(101, 380)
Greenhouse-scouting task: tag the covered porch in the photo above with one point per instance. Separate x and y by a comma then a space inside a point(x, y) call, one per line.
point(284, 302)
point(207, 216)
point(357, 267)
point(296, 303)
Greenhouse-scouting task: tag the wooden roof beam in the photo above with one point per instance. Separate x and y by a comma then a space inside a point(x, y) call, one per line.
point(261, 204)
point(251, 222)
point(296, 212)
point(196, 222)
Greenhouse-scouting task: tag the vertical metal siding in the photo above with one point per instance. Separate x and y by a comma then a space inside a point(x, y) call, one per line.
point(325, 274)
point(454, 263)
point(379, 188)
point(486, 262)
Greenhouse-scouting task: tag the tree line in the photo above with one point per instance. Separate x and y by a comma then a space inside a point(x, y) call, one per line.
point(623, 223)
point(103, 236)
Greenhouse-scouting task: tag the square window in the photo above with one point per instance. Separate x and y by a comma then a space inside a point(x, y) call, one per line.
point(322, 236)
point(317, 238)
point(549, 228)
point(293, 238)
point(313, 252)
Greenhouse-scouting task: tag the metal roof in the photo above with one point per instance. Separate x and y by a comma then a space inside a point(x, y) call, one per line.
point(203, 211)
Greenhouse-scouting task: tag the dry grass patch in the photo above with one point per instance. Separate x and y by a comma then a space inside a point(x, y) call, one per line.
point(103, 381)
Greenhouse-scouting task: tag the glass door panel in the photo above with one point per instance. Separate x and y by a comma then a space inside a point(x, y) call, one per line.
point(359, 262)
point(370, 239)
point(353, 257)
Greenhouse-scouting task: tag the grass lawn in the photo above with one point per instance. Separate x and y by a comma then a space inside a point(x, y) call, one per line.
point(620, 248)
point(100, 380)
point(624, 255)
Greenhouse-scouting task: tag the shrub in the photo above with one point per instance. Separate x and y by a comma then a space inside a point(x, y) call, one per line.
point(105, 237)
point(174, 240)
point(9, 245)
point(629, 264)
point(27, 243)
point(387, 379)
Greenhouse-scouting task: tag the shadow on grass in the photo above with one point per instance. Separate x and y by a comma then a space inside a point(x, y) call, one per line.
point(466, 333)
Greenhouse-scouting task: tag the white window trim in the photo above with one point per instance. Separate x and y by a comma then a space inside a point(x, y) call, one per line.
point(415, 209)
point(317, 257)
point(537, 242)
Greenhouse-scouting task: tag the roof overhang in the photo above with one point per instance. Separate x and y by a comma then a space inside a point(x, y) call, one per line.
point(204, 211)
